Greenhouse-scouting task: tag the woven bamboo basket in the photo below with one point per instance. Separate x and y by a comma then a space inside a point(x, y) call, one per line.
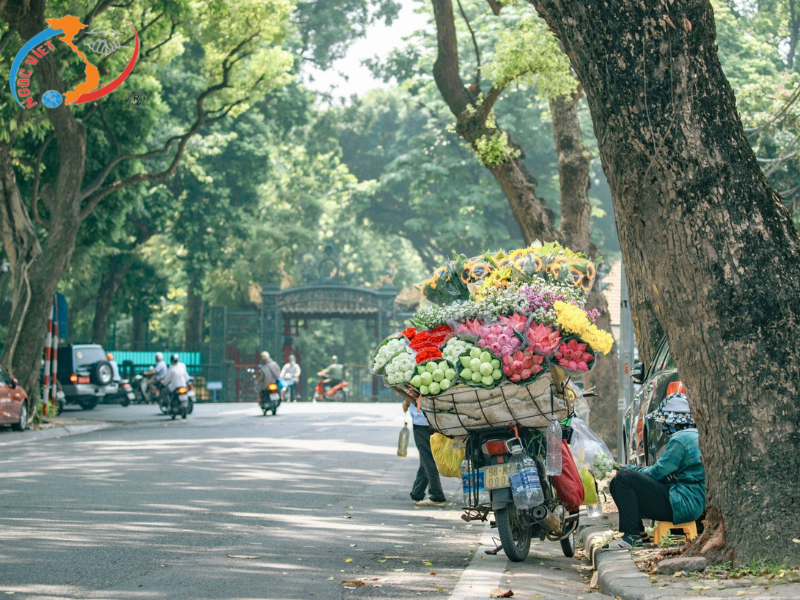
point(462, 408)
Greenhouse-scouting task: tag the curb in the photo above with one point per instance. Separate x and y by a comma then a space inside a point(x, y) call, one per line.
point(48, 434)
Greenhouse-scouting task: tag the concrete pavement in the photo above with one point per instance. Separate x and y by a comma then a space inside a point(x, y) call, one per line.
point(232, 504)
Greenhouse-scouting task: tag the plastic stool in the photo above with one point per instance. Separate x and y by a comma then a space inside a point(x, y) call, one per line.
point(663, 528)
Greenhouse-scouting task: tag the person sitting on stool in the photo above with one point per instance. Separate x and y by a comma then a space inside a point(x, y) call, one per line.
point(673, 489)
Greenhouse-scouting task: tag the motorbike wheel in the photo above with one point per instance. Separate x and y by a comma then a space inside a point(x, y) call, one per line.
point(173, 415)
point(191, 406)
point(515, 537)
point(183, 412)
point(124, 402)
point(274, 409)
point(264, 411)
point(568, 545)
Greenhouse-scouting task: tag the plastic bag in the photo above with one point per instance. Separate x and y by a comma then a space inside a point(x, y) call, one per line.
point(445, 285)
point(585, 444)
point(386, 350)
point(569, 485)
point(589, 487)
point(448, 459)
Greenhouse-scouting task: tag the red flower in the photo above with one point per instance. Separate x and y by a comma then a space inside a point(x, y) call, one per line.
point(442, 329)
point(410, 333)
point(429, 353)
point(573, 355)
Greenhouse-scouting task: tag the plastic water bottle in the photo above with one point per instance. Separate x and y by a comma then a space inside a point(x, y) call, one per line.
point(402, 443)
point(470, 479)
point(554, 448)
point(524, 476)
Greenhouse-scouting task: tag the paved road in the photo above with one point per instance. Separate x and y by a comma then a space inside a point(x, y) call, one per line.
point(231, 504)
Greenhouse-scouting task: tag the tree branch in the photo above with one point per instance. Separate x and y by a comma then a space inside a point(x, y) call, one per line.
point(446, 68)
point(108, 129)
point(496, 6)
point(474, 43)
point(6, 38)
point(93, 196)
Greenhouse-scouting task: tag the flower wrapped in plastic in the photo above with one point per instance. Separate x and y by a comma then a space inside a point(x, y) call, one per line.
point(480, 368)
point(575, 356)
point(542, 339)
point(523, 366)
point(386, 351)
point(454, 348)
point(445, 285)
point(400, 369)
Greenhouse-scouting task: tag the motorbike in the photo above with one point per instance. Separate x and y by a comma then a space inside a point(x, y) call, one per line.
point(141, 389)
point(124, 395)
point(179, 402)
point(270, 399)
point(326, 391)
point(487, 488)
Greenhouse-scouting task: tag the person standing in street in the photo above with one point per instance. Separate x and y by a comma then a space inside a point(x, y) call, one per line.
point(428, 473)
point(114, 368)
point(291, 373)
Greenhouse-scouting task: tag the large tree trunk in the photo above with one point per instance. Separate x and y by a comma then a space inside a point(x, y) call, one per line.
point(711, 243)
point(534, 219)
point(193, 325)
point(117, 266)
point(574, 161)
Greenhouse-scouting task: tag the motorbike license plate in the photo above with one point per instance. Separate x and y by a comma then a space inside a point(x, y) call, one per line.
point(274, 396)
point(183, 398)
point(496, 477)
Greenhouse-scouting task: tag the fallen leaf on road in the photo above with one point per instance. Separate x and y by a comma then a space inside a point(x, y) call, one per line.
point(353, 545)
point(376, 585)
point(432, 573)
point(346, 517)
point(382, 561)
point(796, 541)
point(354, 582)
point(498, 593)
point(329, 579)
point(557, 568)
point(428, 563)
point(399, 570)
point(244, 556)
point(348, 560)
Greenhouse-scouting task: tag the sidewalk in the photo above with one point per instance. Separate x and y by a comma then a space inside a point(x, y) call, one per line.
point(61, 429)
point(619, 576)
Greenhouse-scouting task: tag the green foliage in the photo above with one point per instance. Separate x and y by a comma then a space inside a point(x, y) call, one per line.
point(527, 52)
point(494, 150)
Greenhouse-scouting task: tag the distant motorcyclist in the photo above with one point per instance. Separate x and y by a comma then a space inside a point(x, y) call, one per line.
point(177, 376)
point(114, 368)
point(291, 373)
point(156, 374)
point(333, 372)
point(268, 372)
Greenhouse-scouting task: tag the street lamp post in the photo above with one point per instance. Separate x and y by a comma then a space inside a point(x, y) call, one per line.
point(626, 347)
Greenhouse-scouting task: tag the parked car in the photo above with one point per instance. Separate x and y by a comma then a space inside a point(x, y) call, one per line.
point(644, 439)
point(85, 375)
point(14, 404)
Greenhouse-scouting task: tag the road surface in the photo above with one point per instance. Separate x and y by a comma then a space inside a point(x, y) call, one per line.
point(232, 504)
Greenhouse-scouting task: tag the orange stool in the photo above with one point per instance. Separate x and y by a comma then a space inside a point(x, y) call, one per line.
point(664, 528)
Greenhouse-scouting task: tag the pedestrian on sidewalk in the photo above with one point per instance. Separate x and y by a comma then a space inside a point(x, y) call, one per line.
point(673, 489)
point(428, 473)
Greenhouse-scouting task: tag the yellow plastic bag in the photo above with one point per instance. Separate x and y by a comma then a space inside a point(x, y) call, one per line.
point(448, 460)
point(589, 487)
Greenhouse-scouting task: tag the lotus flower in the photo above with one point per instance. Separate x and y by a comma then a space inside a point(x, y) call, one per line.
point(522, 365)
point(574, 355)
point(543, 339)
point(500, 339)
point(471, 328)
point(516, 321)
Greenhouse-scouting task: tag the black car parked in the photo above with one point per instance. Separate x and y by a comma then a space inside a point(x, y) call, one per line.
point(644, 439)
point(85, 375)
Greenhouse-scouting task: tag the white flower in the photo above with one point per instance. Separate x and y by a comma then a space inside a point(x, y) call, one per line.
point(386, 352)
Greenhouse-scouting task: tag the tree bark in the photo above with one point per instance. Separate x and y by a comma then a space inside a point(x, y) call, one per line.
point(117, 266)
point(193, 325)
point(534, 219)
point(711, 243)
point(574, 161)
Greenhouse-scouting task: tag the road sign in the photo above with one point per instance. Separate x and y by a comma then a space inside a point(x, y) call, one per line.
point(214, 385)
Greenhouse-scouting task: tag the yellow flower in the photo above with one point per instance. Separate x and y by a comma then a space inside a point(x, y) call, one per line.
point(599, 340)
point(571, 318)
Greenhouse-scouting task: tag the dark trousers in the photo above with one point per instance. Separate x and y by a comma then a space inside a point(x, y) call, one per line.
point(427, 474)
point(639, 496)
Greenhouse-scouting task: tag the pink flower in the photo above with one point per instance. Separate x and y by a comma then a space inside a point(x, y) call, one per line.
point(543, 339)
point(471, 328)
point(516, 321)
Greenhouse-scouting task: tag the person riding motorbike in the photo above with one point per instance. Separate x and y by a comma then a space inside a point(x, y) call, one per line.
point(157, 374)
point(114, 368)
point(291, 373)
point(268, 372)
point(333, 372)
point(177, 376)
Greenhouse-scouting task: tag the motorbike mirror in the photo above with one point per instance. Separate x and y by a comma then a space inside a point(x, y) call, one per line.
point(14, 383)
point(637, 373)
